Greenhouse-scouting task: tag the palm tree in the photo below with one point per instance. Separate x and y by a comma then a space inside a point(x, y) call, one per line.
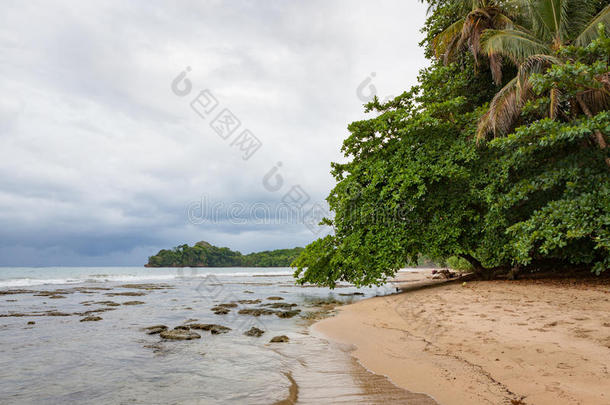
point(553, 24)
point(479, 16)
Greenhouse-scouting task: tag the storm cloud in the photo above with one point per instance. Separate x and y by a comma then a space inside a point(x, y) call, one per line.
point(100, 160)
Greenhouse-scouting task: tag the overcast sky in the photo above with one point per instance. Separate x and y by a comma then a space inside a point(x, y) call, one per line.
point(104, 162)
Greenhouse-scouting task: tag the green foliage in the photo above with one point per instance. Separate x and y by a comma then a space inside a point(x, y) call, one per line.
point(417, 184)
point(459, 264)
point(203, 254)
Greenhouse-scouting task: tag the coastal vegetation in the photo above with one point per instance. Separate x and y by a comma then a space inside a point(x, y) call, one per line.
point(203, 254)
point(497, 157)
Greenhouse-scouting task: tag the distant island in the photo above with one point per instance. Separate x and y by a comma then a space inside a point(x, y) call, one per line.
point(204, 254)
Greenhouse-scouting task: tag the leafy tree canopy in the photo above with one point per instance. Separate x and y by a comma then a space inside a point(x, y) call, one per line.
point(203, 254)
point(417, 182)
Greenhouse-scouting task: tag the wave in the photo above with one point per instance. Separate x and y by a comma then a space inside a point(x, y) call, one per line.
point(105, 278)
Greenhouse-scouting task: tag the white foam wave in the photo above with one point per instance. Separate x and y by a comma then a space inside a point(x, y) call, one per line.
point(129, 278)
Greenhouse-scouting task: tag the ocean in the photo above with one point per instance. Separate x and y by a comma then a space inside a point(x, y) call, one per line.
point(55, 350)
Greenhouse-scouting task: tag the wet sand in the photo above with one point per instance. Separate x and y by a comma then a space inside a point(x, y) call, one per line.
point(519, 342)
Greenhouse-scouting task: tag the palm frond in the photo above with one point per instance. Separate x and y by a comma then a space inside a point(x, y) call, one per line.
point(598, 99)
point(442, 43)
point(538, 63)
point(503, 111)
point(515, 45)
point(495, 65)
point(589, 33)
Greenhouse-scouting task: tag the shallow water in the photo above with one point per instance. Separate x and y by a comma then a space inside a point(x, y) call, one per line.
point(60, 359)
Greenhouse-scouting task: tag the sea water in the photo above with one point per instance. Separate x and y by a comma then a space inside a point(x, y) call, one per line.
point(61, 359)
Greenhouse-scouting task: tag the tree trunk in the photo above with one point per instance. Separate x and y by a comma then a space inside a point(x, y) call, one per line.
point(599, 137)
point(477, 266)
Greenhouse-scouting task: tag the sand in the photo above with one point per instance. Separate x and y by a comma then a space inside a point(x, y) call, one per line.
point(496, 342)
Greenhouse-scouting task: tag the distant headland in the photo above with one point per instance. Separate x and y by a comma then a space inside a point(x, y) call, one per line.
point(204, 254)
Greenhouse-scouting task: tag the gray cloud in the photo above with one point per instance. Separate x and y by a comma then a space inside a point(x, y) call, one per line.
point(99, 159)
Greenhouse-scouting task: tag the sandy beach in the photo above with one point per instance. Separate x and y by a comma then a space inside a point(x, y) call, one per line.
point(496, 342)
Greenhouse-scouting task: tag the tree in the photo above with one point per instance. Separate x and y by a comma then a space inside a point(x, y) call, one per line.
point(417, 184)
point(551, 25)
point(478, 17)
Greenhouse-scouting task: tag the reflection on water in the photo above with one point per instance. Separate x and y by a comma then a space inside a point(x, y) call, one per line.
point(60, 359)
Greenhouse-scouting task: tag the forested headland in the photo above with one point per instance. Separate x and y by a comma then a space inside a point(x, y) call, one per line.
point(499, 156)
point(203, 254)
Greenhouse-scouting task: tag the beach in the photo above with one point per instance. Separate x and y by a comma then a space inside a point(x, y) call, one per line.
point(486, 342)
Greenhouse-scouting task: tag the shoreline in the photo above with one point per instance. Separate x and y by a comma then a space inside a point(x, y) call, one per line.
point(518, 342)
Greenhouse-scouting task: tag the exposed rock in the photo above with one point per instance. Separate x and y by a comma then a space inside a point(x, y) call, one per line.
point(228, 305)
point(151, 330)
point(47, 313)
point(182, 327)
point(275, 298)
point(94, 311)
point(248, 292)
point(133, 303)
point(350, 294)
point(213, 328)
point(249, 301)
point(256, 332)
point(55, 313)
point(279, 339)
point(91, 319)
point(53, 294)
point(55, 297)
point(324, 302)
point(126, 294)
point(107, 303)
point(146, 286)
point(190, 320)
point(255, 311)
point(18, 291)
point(288, 314)
point(279, 305)
point(220, 310)
point(31, 323)
point(179, 334)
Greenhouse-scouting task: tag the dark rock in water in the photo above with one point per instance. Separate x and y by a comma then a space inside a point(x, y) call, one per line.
point(56, 313)
point(31, 323)
point(227, 305)
point(94, 311)
point(91, 319)
point(249, 301)
point(55, 297)
point(279, 339)
point(190, 320)
point(151, 330)
point(126, 294)
point(18, 291)
point(220, 310)
point(256, 332)
point(53, 294)
point(147, 286)
point(255, 311)
point(288, 314)
point(279, 305)
point(179, 334)
point(248, 292)
point(134, 303)
point(182, 327)
point(213, 328)
point(107, 303)
point(275, 298)
point(350, 294)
